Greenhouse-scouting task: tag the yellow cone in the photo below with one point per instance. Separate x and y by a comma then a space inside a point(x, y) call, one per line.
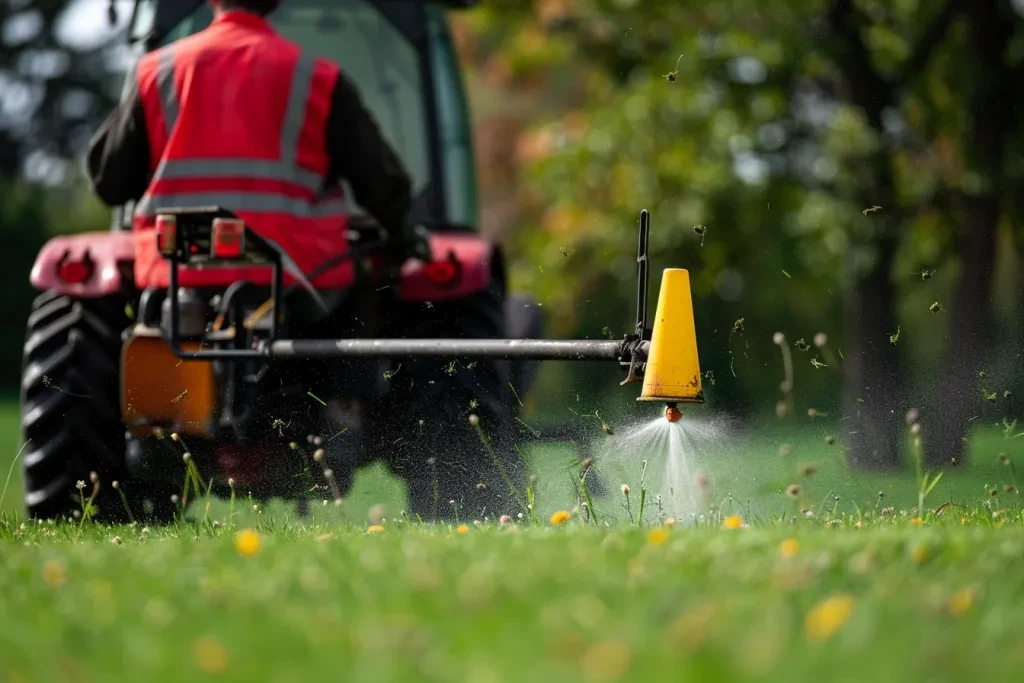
point(673, 369)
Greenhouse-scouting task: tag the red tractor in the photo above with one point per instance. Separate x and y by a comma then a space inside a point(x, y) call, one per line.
point(267, 386)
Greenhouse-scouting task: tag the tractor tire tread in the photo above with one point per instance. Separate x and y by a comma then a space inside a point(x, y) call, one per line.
point(70, 417)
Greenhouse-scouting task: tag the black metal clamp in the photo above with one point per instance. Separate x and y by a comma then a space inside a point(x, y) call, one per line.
point(633, 342)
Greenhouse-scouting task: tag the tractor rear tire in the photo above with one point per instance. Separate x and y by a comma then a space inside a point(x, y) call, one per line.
point(423, 430)
point(70, 414)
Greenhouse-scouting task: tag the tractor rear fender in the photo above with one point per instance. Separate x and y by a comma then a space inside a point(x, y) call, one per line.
point(463, 265)
point(85, 266)
point(96, 264)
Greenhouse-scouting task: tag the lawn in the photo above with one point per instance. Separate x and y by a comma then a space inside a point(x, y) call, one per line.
point(748, 468)
point(825, 585)
point(890, 601)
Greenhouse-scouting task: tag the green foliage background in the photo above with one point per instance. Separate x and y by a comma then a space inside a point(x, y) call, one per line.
point(745, 118)
point(751, 120)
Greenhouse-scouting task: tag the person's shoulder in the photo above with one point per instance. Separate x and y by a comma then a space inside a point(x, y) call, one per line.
point(148, 66)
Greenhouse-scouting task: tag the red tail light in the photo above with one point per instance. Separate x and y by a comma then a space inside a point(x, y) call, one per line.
point(166, 234)
point(75, 272)
point(441, 272)
point(444, 272)
point(228, 240)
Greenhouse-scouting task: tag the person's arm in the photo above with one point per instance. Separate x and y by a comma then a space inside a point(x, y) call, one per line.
point(360, 154)
point(118, 159)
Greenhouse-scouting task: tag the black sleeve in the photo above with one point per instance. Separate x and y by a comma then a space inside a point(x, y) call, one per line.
point(360, 154)
point(118, 159)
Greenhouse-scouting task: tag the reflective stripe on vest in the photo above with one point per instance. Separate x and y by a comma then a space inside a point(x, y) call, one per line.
point(285, 169)
point(254, 202)
point(165, 81)
point(248, 169)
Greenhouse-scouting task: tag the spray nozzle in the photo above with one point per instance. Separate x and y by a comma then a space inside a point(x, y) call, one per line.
point(672, 413)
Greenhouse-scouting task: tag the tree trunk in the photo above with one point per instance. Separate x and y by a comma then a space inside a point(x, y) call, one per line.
point(957, 396)
point(871, 368)
point(871, 387)
point(957, 393)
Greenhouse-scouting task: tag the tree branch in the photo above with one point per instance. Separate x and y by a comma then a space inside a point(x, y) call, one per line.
point(932, 37)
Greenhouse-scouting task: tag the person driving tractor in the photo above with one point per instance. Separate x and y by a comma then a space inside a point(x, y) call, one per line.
point(237, 116)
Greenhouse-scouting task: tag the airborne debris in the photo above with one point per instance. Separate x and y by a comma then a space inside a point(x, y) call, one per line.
point(802, 345)
point(895, 336)
point(700, 231)
point(738, 325)
point(818, 364)
point(871, 210)
point(672, 76)
point(927, 274)
point(936, 307)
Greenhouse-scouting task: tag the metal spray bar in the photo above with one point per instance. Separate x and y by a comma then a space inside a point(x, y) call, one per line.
point(521, 349)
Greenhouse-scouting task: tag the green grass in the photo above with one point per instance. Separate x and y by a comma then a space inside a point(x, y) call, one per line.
point(746, 471)
point(896, 600)
point(499, 604)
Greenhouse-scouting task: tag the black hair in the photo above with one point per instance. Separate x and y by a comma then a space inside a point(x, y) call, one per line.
point(260, 7)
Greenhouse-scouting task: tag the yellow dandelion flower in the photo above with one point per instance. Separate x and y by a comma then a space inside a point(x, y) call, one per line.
point(374, 529)
point(210, 655)
point(657, 535)
point(608, 661)
point(916, 521)
point(827, 617)
point(248, 543)
point(919, 554)
point(560, 517)
point(961, 602)
point(732, 522)
point(789, 548)
point(54, 573)
point(462, 529)
point(964, 520)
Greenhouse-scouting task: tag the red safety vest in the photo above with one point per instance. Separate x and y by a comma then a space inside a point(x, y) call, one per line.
point(236, 117)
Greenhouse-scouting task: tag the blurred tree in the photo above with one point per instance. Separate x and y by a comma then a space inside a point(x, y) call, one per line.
point(55, 84)
point(58, 79)
point(987, 71)
point(828, 149)
point(23, 229)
